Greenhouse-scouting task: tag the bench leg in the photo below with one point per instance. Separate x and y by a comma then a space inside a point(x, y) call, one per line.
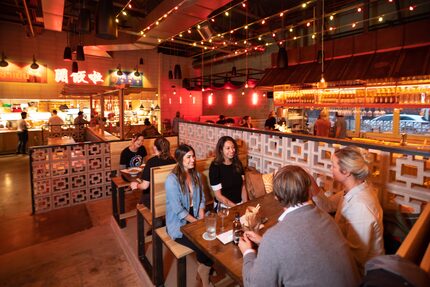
point(157, 255)
point(141, 245)
point(182, 272)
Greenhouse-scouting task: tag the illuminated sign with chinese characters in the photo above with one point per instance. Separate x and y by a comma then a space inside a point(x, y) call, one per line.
point(81, 77)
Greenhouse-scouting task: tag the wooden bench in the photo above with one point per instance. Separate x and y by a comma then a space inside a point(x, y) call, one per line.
point(416, 246)
point(154, 218)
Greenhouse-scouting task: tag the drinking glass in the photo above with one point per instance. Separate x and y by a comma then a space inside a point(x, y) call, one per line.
point(210, 221)
point(223, 212)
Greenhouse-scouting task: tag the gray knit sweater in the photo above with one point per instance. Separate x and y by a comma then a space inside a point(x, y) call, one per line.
point(305, 249)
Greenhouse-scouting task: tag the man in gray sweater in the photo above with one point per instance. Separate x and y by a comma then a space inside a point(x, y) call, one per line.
point(305, 248)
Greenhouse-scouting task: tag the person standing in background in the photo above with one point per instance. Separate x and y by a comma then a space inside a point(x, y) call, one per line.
point(55, 122)
point(149, 131)
point(22, 132)
point(271, 121)
point(79, 120)
point(322, 125)
point(340, 126)
point(175, 123)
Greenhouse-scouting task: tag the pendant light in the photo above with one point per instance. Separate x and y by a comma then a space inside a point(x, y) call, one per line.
point(136, 73)
point(75, 67)
point(322, 84)
point(80, 56)
point(34, 65)
point(119, 72)
point(67, 56)
point(3, 62)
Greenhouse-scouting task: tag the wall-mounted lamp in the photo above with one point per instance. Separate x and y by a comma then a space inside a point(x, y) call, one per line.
point(119, 72)
point(34, 65)
point(3, 62)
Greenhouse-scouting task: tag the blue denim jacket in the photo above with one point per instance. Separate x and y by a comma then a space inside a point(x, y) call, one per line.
point(178, 204)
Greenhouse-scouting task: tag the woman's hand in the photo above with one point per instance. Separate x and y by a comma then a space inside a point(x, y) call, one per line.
point(252, 236)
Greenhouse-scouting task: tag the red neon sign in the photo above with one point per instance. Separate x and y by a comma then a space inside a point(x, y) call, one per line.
point(81, 77)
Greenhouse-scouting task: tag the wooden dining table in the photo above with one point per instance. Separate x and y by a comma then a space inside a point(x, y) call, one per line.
point(228, 255)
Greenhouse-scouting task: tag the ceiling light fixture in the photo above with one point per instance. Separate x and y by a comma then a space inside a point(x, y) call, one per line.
point(3, 62)
point(75, 68)
point(119, 72)
point(34, 65)
point(322, 83)
point(137, 74)
point(80, 56)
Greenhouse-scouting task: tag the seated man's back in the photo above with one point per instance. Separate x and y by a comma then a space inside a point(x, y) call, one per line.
point(306, 248)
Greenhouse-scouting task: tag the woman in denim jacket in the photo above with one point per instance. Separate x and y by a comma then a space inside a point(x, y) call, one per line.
point(185, 202)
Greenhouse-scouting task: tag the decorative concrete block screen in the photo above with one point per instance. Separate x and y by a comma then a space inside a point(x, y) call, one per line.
point(66, 175)
point(401, 175)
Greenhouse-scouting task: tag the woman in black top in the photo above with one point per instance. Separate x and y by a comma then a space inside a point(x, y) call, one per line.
point(133, 155)
point(226, 174)
point(161, 157)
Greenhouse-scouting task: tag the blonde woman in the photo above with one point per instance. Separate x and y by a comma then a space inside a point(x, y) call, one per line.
point(358, 212)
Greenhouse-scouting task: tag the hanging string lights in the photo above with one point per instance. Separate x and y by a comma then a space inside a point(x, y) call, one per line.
point(260, 42)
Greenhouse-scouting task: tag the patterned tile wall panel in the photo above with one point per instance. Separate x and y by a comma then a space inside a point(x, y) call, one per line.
point(398, 178)
point(69, 175)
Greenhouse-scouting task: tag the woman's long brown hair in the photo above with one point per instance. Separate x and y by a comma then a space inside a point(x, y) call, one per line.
point(179, 169)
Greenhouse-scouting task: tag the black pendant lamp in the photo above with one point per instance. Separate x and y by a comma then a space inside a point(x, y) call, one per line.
point(75, 67)
point(67, 54)
point(170, 74)
point(233, 71)
point(282, 60)
point(34, 65)
point(80, 56)
point(178, 72)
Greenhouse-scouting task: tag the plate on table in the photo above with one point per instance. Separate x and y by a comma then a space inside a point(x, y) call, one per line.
point(131, 172)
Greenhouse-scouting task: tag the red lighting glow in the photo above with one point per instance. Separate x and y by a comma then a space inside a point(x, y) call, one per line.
point(254, 99)
point(210, 99)
point(229, 99)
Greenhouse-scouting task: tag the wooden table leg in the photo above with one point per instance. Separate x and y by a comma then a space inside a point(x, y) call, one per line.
point(115, 202)
point(121, 191)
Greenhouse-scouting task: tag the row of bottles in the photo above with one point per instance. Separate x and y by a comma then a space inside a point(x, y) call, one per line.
point(415, 95)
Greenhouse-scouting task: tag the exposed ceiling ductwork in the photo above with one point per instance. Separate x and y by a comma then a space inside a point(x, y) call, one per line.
point(53, 11)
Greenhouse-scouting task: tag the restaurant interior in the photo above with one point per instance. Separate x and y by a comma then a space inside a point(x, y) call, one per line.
point(68, 210)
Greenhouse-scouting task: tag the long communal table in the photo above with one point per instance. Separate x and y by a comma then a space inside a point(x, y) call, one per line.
point(229, 256)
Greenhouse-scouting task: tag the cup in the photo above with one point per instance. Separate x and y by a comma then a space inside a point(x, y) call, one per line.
point(210, 221)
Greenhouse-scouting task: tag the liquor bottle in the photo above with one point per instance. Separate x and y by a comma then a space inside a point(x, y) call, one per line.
point(237, 229)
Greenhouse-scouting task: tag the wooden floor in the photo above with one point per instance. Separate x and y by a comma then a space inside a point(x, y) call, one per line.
point(69, 247)
point(76, 246)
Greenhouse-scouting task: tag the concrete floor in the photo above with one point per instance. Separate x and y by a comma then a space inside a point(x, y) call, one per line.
point(69, 247)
